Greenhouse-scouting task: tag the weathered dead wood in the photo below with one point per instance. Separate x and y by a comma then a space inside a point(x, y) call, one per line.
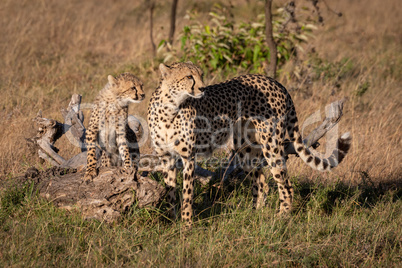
point(74, 118)
point(50, 130)
point(334, 115)
point(106, 198)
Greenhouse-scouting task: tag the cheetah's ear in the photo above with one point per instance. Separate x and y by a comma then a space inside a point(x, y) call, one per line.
point(165, 70)
point(189, 62)
point(112, 80)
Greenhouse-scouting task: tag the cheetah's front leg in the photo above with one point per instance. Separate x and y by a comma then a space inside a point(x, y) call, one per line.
point(122, 140)
point(90, 172)
point(188, 191)
point(170, 181)
point(91, 138)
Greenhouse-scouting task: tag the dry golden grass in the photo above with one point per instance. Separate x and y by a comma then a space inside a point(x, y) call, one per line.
point(370, 34)
point(51, 49)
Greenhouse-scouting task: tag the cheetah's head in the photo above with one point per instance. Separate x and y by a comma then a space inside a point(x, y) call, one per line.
point(127, 89)
point(182, 80)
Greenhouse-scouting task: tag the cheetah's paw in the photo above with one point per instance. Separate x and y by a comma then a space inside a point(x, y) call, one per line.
point(89, 176)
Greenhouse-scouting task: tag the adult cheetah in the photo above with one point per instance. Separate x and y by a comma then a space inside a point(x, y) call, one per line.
point(108, 124)
point(186, 118)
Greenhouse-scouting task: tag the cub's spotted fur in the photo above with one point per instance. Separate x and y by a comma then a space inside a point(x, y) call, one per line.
point(186, 118)
point(108, 124)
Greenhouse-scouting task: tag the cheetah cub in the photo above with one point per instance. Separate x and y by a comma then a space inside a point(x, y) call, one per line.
point(108, 124)
point(187, 119)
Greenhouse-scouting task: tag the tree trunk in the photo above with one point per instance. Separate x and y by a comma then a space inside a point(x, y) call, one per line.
point(151, 26)
point(173, 21)
point(271, 67)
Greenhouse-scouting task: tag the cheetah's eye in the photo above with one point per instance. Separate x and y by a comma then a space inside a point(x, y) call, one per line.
point(189, 77)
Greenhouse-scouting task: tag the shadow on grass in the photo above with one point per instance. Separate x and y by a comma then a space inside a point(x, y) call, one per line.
point(220, 197)
point(329, 196)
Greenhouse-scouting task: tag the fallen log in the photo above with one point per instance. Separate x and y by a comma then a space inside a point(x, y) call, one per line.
point(110, 194)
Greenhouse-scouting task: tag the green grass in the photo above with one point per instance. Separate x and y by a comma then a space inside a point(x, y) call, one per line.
point(331, 225)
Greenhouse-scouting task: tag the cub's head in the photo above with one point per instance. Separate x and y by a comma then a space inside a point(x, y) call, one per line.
point(182, 80)
point(127, 89)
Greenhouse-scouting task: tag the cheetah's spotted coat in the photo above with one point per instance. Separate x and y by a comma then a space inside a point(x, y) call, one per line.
point(186, 118)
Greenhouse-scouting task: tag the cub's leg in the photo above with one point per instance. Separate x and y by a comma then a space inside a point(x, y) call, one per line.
point(122, 140)
point(91, 138)
point(133, 147)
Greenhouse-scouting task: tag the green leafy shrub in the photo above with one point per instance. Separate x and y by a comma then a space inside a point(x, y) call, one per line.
point(362, 89)
point(221, 44)
point(335, 71)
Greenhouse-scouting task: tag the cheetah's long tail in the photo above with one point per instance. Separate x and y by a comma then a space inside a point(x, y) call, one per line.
point(323, 164)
